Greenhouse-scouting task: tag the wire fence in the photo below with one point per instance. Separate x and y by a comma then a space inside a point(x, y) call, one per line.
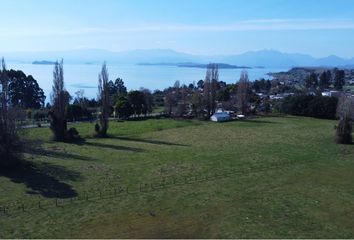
point(115, 191)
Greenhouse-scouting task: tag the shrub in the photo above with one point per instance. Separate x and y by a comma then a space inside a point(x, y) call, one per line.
point(310, 106)
point(345, 112)
point(10, 145)
point(344, 131)
point(72, 134)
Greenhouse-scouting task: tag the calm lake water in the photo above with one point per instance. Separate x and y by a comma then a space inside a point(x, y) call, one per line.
point(83, 76)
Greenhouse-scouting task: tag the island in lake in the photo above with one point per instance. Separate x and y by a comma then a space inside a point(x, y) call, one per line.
point(43, 62)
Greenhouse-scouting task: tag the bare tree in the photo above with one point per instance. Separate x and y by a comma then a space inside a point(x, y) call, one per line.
point(80, 97)
point(345, 113)
point(214, 86)
point(197, 104)
point(10, 146)
point(210, 87)
point(172, 98)
point(149, 101)
point(60, 100)
point(104, 98)
point(242, 96)
point(169, 100)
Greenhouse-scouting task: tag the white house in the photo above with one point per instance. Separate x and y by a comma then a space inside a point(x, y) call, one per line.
point(220, 117)
point(331, 94)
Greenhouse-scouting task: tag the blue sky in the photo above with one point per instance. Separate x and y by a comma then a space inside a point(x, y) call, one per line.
point(316, 27)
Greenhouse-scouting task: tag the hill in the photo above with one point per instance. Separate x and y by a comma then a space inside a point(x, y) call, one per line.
point(266, 58)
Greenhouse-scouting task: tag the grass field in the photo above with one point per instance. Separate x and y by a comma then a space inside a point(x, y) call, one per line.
point(287, 179)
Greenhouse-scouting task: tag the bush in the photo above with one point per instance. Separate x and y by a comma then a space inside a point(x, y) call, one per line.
point(10, 144)
point(344, 131)
point(345, 113)
point(310, 106)
point(58, 126)
point(78, 113)
point(72, 134)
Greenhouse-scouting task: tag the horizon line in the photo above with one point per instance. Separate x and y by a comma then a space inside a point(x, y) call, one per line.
point(3, 53)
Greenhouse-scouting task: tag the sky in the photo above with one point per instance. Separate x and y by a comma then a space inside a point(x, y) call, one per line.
point(206, 27)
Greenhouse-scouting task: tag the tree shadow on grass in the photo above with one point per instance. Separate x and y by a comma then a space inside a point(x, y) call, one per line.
point(56, 154)
point(158, 142)
point(44, 179)
point(34, 148)
point(110, 146)
point(259, 121)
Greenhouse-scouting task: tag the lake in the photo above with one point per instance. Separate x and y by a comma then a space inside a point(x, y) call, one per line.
point(85, 76)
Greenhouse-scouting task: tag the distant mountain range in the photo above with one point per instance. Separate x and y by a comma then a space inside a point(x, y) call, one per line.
point(264, 58)
point(194, 65)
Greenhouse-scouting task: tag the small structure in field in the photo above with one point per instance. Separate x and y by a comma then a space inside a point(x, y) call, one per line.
point(240, 116)
point(220, 117)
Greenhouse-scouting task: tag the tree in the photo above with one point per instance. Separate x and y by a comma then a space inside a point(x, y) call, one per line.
point(123, 107)
point(10, 145)
point(243, 88)
point(80, 99)
point(345, 112)
point(158, 98)
point(170, 100)
point(200, 84)
point(324, 80)
point(121, 89)
point(261, 85)
point(173, 96)
point(74, 112)
point(223, 92)
point(137, 102)
point(214, 86)
point(104, 98)
point(24, 91)
point(311, 106)
point(311, 81)
point(197, 104)
point(148, 100)
point(339, 80)
point(210, 87)
point(116, 89)
point(60, 100)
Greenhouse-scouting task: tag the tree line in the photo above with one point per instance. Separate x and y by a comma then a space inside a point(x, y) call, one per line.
point(325, 80)
point(200, 100)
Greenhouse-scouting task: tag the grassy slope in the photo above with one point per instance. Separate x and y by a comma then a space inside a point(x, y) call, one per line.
point(310, 196)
